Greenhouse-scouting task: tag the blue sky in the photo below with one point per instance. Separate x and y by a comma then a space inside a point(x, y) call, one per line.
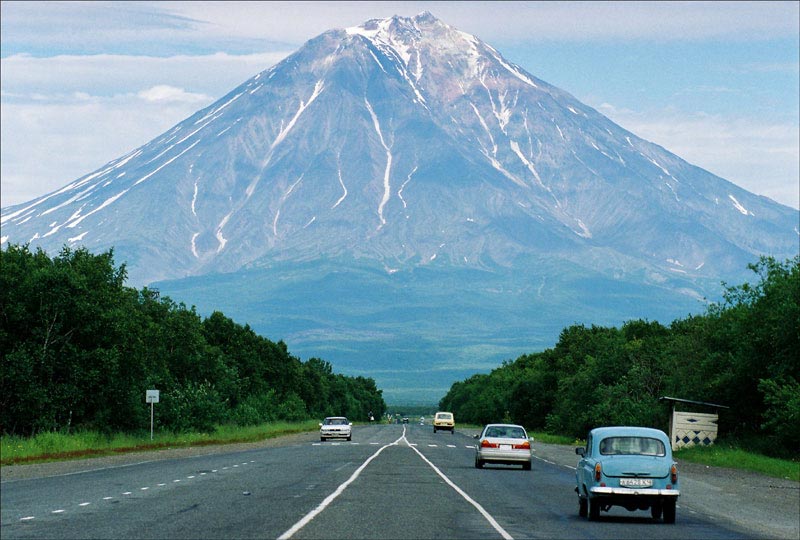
point(717, 83)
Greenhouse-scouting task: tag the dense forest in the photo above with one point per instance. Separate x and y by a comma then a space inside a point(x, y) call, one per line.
point(743, 353)
point(79, 349)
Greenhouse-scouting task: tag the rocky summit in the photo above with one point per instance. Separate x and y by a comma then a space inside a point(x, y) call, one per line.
point(400, 200)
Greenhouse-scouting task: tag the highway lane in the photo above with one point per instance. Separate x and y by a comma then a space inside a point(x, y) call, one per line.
point(391, 481)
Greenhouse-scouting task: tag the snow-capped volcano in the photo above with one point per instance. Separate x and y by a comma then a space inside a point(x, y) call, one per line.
point(404, 144)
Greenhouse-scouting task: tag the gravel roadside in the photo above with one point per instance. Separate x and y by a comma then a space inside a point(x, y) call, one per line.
point(762, 506)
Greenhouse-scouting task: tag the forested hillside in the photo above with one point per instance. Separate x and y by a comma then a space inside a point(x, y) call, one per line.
point(743, 353)
point(79, 349)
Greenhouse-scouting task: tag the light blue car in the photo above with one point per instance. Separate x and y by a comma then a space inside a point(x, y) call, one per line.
point(630, 467)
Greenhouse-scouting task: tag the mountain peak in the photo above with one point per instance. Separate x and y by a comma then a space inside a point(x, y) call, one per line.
point(397, 23)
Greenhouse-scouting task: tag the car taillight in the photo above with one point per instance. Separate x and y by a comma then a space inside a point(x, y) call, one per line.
point(674, 474)
point(597, 471)
point(487, 444)
point(524, 446)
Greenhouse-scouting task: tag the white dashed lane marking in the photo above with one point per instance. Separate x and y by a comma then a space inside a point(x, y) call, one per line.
point(127, 493)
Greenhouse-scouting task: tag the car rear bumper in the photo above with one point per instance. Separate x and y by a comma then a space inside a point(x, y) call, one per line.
point(504, 456)
point(334, 434)
point(634, 492)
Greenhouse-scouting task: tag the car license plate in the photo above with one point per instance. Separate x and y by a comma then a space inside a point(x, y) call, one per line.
point(635, 482)
point(505, 447)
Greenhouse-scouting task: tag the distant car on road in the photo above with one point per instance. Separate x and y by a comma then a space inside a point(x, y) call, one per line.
point(405, 419)
point(335, 427)
point(503, 443)
point(444, 421)
point(630, 467)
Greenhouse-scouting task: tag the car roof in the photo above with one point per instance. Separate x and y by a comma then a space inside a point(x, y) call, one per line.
point(332, 417)
point(628, 431)
point(503, 425)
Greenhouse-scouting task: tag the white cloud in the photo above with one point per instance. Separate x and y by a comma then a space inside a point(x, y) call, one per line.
point(106, 74)
point(65, 116)
point(164, 92)
point(47, 145)
point(760, 156)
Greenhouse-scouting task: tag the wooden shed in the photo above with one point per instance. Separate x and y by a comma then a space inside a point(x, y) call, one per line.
point(692, 428)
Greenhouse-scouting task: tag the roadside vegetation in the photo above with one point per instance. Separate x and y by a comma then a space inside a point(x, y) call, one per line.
point(57, 446)
point(79, 350)
point(742, 353)
point(733, 457)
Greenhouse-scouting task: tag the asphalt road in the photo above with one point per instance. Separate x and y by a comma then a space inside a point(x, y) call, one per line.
point(390, 481)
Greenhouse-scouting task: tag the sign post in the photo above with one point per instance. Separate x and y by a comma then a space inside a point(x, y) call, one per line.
point(151, 397)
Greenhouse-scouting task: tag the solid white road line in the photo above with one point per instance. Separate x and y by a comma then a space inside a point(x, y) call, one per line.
point(330, 498)
point(469, 499)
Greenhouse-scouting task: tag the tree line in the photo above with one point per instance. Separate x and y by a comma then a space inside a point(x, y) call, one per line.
point(743, 352)
point(79, 348)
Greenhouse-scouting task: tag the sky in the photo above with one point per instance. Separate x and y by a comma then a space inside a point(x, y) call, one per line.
point(717, 83)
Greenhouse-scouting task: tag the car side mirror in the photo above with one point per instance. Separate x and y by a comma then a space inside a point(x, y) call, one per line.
point(476, 436)
point(581, 451)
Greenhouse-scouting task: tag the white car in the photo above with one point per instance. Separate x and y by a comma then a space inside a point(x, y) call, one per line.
point(335, 427)
point(503, 443)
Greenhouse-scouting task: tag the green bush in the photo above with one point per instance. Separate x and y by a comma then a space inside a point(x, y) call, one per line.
point(782, 417)
point(292, 409)
point(192, 407)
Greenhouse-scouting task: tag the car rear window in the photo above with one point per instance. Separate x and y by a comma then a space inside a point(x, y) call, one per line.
point(507, 432)
point(444, 416)
point(632, 446)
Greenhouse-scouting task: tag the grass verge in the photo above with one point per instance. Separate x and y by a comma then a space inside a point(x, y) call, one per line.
point(735, 458)
point(61, 446)
point(549, 438)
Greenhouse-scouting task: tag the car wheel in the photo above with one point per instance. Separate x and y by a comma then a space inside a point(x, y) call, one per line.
point(655, 510)
point(478, 463)
point(594, 509)
point(526, 466)
point(349, 438)
point(434, 430)
point(322, 439)
point(669, 511)
point(583, 510)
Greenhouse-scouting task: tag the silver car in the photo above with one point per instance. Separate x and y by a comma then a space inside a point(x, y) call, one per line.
point(503, 443)
point(335, 427)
